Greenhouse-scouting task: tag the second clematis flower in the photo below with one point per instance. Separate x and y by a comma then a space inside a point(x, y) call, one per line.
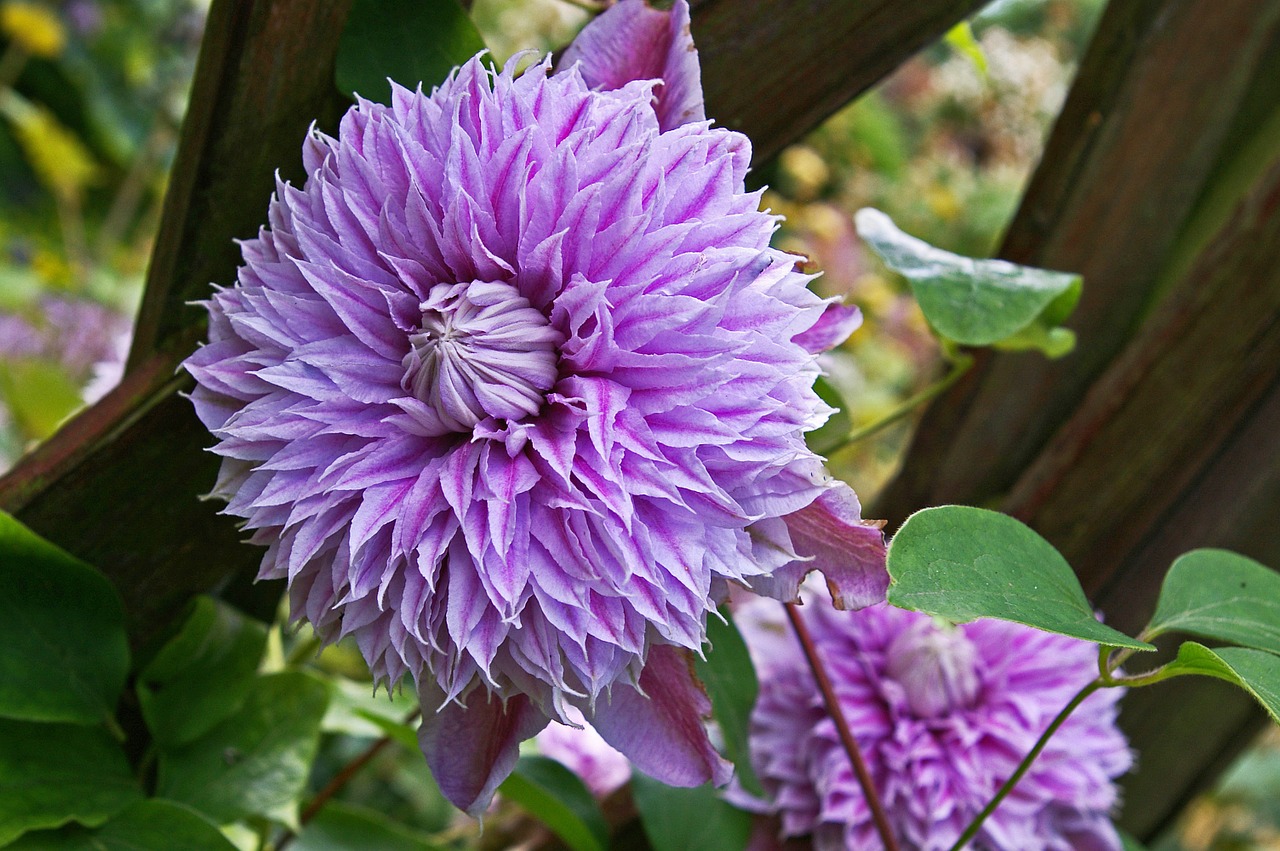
point(514, 386)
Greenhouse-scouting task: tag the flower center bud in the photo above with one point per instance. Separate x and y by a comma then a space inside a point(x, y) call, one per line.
point(483, 351)
point(937, 667)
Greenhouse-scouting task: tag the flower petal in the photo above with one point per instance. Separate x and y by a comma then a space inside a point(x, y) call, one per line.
point(471, 748)
point(631, 41)
point(830, 536)
point(663, 733)
point(835, 325)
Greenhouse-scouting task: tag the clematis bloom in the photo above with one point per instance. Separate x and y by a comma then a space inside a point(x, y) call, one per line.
point(942, 716)
point(514, 386)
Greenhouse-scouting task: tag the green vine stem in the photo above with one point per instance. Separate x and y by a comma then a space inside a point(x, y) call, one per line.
point(960, 364)
point(976, 825)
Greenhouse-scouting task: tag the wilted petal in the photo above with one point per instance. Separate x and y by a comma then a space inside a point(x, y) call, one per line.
point(831, 537)
point(472, 748)
point(663, 734)
point(631, 41)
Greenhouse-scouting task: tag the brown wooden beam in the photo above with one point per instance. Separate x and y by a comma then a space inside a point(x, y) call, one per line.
point(774, 70)
point(265, 73)
point(1132, 152)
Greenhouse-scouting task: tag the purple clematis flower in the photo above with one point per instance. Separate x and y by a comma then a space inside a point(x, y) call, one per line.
point(942, 716)
point(514, 386)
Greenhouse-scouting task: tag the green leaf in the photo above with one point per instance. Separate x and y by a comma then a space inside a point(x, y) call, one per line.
point(963, 563)
point(1221, 595)
point(1129, 843)
point(557, 797)
point(834, 431)
point(961, 39)
point(688, 819)
point(341, 827)
point(39, 394)
point(63, 650)
point(731, 683)
point(1255, 671)
point(203, 674)
point(975, 302)
point(145, 826)
point(52, 774)
point(410, 41)
point(355, 710)
point(255, 761)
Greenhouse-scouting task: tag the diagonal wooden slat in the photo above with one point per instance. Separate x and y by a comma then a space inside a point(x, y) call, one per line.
point(775, 70)
point(1176, 447)
point(265, 73)
point(117, 486)
point(1137, 141)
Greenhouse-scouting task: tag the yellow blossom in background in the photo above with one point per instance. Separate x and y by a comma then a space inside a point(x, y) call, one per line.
point(59, 159)
point(33, 26)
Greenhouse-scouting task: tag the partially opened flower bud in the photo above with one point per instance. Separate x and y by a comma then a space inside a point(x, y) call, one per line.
point(937, 668)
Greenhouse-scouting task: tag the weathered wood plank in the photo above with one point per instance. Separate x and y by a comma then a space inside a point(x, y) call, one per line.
point(265, 73)
point(1176, 447)
point(1138, 138)
point(775, 70)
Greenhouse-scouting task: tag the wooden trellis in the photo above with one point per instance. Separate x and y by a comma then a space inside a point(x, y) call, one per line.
point(1160, 434)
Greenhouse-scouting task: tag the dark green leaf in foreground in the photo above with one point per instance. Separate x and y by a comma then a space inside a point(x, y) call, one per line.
point(203, 674)
point(688, 819)
point(834, 431)
point(1221, 595)
point(557, 797)
point(410, 41)
point(963, 563)
point(256, 761)
point(342, 827)
point(977, 302)
point(1129, 843)
point(53, 774)
point(63, 651)
point(145, 826)
point(731, 683)
point(1255, 671)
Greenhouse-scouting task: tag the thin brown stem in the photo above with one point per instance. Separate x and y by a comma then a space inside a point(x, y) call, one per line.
point(842, 727)
point(342, 778)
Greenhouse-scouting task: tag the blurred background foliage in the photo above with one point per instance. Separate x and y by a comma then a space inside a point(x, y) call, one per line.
point(92, 93)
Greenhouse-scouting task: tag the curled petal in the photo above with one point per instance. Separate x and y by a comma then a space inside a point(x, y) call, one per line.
point(631, 41)
point(830, 536)
point(835, 325)
point(471, 748)
point(663, 734)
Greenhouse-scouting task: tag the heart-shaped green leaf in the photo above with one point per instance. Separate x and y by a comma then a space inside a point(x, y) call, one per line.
point(1221, 595)
point(341, 827)
point(146, 824)
point(731, 683)
point(256, 761)
point(410, 41)
point(1255, 671)
point(697, 819)
point(203, 674)
point(63, 650)
point(557, 797)
point(976, 302)
point(53, 774)
point(963, 563)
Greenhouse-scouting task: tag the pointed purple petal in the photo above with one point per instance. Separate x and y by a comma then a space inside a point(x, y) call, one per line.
point(663, 734)
point(831, 536)
point(835, 325)
point(630, 41)
point(472, 748)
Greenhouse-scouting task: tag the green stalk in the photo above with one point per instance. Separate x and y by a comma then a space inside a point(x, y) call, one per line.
point(976, 825)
